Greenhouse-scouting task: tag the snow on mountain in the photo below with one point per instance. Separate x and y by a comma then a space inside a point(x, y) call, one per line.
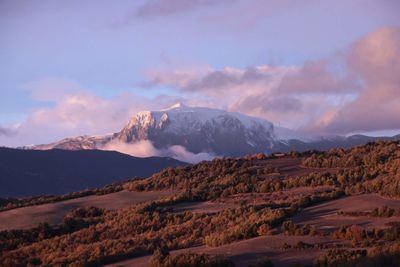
point(77, 143)
point(195, 133)
point(180, 118)
point(196, 129)
point(200, 129)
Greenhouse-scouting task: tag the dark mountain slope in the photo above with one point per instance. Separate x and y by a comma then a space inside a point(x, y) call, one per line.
point(329, 143)
point(33, 172)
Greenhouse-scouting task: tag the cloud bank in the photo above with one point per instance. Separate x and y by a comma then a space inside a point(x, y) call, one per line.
point(146, 149)
point(354, 90)
point(75, 110)
point(375, 59)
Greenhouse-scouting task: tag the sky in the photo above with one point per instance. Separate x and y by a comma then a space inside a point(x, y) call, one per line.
point(72, 67)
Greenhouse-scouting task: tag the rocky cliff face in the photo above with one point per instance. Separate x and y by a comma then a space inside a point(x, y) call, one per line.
point(214, 131)
point(200, 130)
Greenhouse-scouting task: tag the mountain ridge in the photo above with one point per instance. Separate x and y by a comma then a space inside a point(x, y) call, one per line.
point(38, 172)
point(214, 131)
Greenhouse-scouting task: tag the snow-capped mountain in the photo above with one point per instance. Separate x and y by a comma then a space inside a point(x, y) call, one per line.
point(197, 129)
point(208, 130)
point(77, 143)
point(200, 130)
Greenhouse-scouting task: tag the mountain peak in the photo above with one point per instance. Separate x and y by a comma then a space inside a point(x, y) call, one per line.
point(200, 129)
point(206, 130)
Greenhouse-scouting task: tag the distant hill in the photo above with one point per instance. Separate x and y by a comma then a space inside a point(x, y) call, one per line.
point(325, 143)
point(35, 172)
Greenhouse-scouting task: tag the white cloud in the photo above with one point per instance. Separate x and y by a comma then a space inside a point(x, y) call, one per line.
point(138, 149)
point(180, 153)
point(75, 112)
point(146, 149)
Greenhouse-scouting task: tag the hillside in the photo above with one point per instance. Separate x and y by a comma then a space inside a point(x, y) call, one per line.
point(34, 172)
point(335, 208)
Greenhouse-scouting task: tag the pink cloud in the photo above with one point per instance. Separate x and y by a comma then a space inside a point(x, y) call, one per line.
point(316, 77)
point(75, 112)
point(357, 90)
point(354, 90)
point(376, 60)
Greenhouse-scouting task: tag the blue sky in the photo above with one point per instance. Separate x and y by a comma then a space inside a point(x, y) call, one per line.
point(52, 50)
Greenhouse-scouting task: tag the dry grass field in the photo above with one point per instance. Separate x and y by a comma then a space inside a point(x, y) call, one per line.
point(234, 201)
point(252, 250)
point(325, 216)
point(53, 213)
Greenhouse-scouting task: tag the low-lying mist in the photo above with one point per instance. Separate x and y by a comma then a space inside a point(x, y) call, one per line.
point(145, 148)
